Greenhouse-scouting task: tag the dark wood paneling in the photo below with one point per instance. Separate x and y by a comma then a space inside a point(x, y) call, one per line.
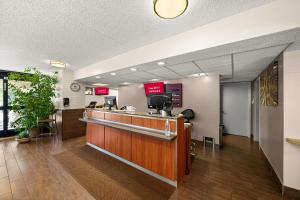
point(118, 118)
point(71, 126)
point(139, 121)
point(118, 142)
point(95, 135)
point(188, 132)
point(155, 155)
point(153, 123)
point(181, 149)
point(95, 114)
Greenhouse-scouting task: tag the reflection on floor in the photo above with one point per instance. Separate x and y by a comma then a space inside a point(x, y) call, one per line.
point(51, 169)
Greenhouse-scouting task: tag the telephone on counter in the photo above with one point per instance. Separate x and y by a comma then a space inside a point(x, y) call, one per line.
point(123, 108)
point(128, 108)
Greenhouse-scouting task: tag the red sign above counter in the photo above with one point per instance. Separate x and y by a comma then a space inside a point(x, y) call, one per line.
point(154, 88)
point(101, 91)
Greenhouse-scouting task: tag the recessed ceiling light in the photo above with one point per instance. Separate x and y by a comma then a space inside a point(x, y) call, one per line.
point(97, 77)
point(133, 69)
point(100, 84)
point(113, 73)
point(155, 79)
point(199, 74)
point(58, 64)
point(126, 83)
point(169, 9)
point(161, 63)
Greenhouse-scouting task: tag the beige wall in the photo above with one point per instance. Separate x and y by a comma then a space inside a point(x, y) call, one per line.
point(291, 173)
point(271, 129)
point(100, 98)
point(200, 94)
point(77, 99)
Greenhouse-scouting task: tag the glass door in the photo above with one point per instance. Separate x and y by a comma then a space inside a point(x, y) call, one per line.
point(6, 116)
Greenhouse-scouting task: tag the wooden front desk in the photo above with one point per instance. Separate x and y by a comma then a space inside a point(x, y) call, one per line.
point(139, 140)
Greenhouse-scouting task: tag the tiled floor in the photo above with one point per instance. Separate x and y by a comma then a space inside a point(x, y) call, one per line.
point(238, 171)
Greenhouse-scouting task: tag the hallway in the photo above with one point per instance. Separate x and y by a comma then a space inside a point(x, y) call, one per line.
point(31, 171)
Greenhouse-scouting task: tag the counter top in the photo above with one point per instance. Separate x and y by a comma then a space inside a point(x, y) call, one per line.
point(160, 134)
point(144, 114)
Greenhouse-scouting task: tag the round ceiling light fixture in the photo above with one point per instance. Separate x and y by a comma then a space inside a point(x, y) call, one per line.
point(170, 9)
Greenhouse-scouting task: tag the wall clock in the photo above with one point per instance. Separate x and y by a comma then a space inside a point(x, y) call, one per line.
point(75, 87)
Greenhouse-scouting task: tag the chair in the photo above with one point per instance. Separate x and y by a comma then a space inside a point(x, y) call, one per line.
point(188, 114)
point(52, 121)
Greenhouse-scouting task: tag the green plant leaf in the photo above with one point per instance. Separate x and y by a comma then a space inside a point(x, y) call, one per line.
point(33, 102)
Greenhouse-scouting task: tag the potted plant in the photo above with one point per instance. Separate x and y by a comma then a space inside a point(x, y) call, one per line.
point(31, 99)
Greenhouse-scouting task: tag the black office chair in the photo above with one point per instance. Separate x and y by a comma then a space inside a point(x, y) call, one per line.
point(92, 104)
point(188, 115)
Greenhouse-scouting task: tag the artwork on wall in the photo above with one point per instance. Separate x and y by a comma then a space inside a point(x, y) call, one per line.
point(176, 90)
point(88, 91)
point(269, 85)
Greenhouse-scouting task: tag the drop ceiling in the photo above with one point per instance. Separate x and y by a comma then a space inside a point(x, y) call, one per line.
point(84, 32)
point(234, 62)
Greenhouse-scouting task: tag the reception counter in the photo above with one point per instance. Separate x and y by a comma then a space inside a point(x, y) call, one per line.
point(140, 140)
point(68, 125)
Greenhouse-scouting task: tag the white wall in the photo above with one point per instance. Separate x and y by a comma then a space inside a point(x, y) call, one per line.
point(271, 128)
point(100, 99)
point(133, 95)
point(236, 103)
point(291, 164)
point(77, 99)
point(200, 94)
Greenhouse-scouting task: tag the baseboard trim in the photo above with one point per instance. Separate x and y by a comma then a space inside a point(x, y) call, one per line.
point(290, 193)
point(272, 171)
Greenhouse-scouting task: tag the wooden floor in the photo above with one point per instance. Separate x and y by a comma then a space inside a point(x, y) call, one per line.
point(238, 171)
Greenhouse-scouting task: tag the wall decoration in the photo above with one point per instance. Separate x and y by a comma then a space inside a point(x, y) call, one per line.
point(101, 91)
point(75, 87)
point(154, 88)
point(269, 85)
point(176, 90)
point(88, 91)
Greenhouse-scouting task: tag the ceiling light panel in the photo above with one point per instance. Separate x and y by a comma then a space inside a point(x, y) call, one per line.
point(146, 75)
point(57, 64)
point(161, 63)
point(185, 69)
point(170, 9)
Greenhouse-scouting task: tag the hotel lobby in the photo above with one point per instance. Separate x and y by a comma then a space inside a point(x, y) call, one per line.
point(150, 99)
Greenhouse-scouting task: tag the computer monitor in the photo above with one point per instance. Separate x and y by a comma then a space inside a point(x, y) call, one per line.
point(111, 101)
point(160, 102)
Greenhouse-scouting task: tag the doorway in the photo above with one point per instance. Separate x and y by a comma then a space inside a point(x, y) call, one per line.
point(255, 110)
point(236, 108)
point(6, 115)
